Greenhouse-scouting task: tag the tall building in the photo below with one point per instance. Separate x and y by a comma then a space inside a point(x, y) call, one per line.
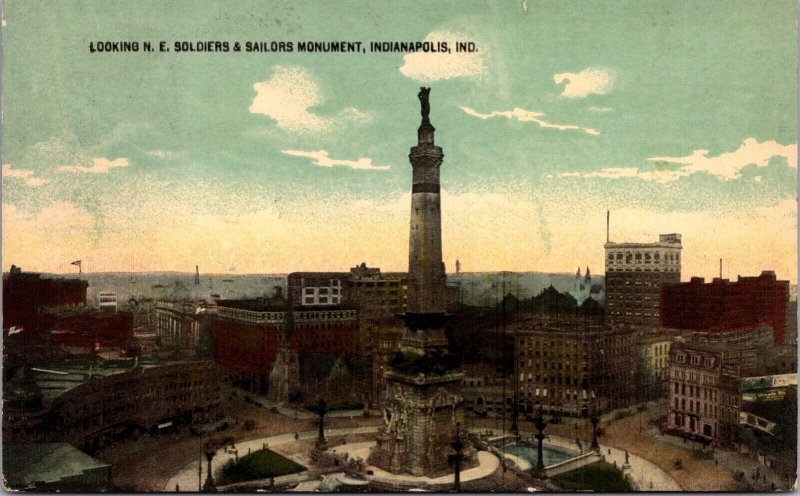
point(725, 306)
point(423, 406)
point(635, 273)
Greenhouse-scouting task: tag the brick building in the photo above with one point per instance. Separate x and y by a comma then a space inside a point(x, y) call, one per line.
point(635, 273)
point(724, 306)
point(27, 297)
point(90, 404)
point(247, 336)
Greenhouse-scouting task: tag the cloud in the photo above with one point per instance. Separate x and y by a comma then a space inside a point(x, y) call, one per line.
point(527, 116)
point(591, 81)
point(601, 109)
point(729, 165)
point(25, 174)
point(726, 165)
point(288, 97)
point(322, 159)
point(161, 153)
point(100, 165)
point(658, 175)
point(435, 66)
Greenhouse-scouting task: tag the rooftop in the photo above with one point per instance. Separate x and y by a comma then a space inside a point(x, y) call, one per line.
point(25, 465)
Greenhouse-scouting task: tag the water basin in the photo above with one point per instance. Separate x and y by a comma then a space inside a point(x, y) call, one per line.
point(527, 452)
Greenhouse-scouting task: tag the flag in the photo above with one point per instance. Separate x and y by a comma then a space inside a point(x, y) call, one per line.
point(14, 330)
point(76, 262)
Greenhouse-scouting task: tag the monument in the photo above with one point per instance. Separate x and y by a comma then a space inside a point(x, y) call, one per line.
point(423, 407)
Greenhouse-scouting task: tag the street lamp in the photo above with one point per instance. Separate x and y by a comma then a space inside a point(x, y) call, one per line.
point(540, 424)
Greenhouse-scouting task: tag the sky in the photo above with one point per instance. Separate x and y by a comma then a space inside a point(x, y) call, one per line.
point(676, 116)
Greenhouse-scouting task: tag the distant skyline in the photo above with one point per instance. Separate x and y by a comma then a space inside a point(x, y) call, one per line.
point(676, 116)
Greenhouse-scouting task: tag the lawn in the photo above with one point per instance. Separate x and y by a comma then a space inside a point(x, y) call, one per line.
point(259, 465)
point(600, 477)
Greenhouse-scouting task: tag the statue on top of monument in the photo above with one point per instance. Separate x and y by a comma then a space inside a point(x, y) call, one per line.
point(423, 99)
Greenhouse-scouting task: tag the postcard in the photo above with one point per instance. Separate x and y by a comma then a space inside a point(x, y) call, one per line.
point(482, 246)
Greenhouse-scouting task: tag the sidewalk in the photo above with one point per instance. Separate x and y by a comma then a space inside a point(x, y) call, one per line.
point(188, 476)
point(646, 475)
point(294, 413)
point(733, 462)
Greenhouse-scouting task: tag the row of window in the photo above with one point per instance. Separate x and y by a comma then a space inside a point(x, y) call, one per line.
point(647, 257)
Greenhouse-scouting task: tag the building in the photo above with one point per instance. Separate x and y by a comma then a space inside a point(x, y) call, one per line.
point(754, 349)
point(635, 273)
point(314, 289)
point(53, 467)
point(584, 288)
point(107, 301)
point(574, 366)
point(89, 329)
point(379, 298)
point(652, 367)
point(179, 324)
point(27, 297)
point(724, 306)
point(247, 336)
point(91, 403)
point(702, 392)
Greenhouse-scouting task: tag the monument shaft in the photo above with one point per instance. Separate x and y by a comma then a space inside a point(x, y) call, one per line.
point(426, 277)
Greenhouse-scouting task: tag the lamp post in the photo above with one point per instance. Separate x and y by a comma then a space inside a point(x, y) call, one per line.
point(455, 460)
point(595, 420)
point(540, 424)
point(210, 450)
point(514, 416)
point(322, 410)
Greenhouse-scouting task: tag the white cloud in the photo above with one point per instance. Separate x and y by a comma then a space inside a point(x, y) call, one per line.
point(658, 175)
point(587, 82)
point(528, 116)
point(160, 153)
point(322, 159)
point(25, 174)
point(601, 109)
point(435, 66)
point(726, 166)
point(100, 165)
point(729, 165)
point(288, 98)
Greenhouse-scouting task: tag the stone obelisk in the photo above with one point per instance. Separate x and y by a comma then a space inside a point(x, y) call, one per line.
point(423, 405)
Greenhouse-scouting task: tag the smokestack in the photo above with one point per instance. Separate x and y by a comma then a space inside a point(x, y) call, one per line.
point(608, 225)
point(720, 268)
point(196, 275)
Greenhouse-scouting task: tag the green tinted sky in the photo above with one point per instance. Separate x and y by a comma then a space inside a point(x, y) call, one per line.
point(643, 85)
